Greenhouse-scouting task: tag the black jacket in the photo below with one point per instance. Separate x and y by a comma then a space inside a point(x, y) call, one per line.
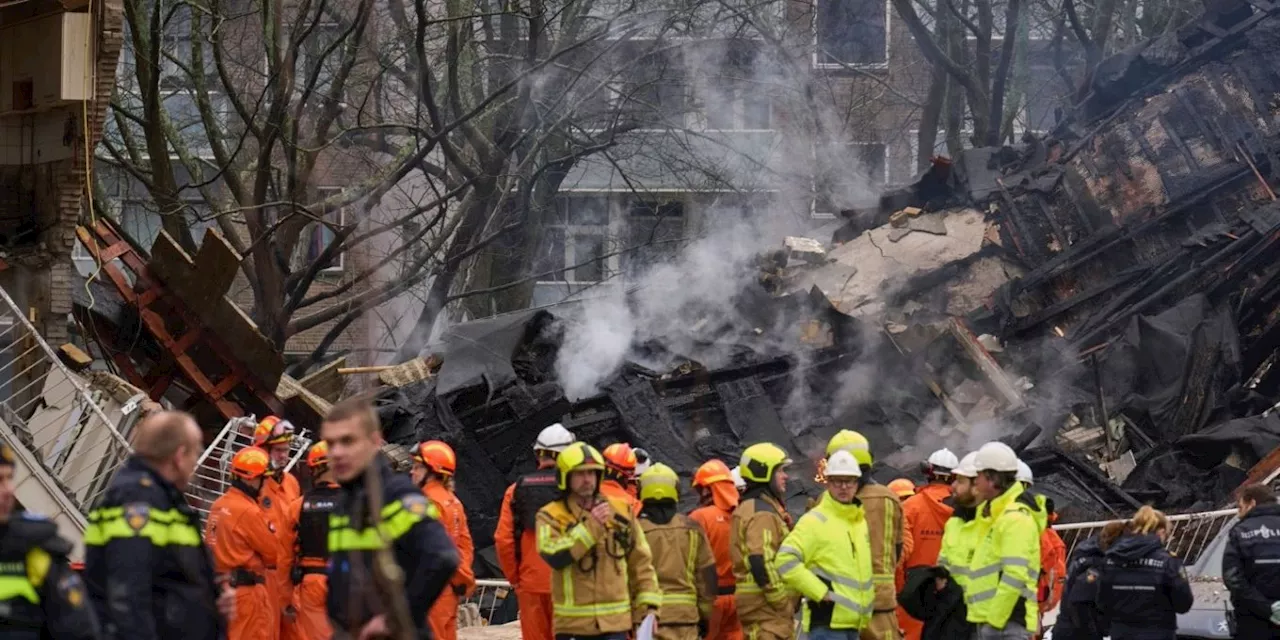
point(1143, 589)
point(1251, 570)
point(1078, 615)
point(943, 612)
point(31, 551)
point(419, 543)
point(148, 573)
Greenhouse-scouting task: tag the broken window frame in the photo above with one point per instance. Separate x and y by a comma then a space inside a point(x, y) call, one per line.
point(818, 54)
point(570, 232)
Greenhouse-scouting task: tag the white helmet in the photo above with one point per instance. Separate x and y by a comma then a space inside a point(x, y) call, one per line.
point(553, 438)
point(967, 468)
point(996, 456)
point(737, 478)
point(842, 464)
point(643, 461)
point(1024, 473)
point(943, 460)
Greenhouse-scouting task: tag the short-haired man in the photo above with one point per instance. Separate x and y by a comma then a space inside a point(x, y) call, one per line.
point(144, 554)
point(379, 511)
point(1251, 564)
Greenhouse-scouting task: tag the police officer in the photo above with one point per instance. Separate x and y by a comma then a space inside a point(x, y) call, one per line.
point(1143, 586)
point(391, 518)
point(1251, 564)
point(40, 596)
point(146, 568)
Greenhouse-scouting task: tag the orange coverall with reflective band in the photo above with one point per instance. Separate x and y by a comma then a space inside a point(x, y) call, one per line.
point(1053, 570)
point(443, 616)
point(614, 489)
point(241, 535)
point(278, 497)
point(924, 517)
point(717, 519)
point(528, 573)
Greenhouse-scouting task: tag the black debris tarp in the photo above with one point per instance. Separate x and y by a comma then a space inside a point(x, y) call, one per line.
point(1195, 471)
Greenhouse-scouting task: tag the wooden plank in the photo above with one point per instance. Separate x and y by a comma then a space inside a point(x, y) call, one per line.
point(986, 364)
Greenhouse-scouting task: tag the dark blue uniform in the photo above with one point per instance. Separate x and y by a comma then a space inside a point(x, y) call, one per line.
point(146, 567)
point(40, 596)
point(1144, 588)
point(1078, 616)
point(419, 542)
point(1251, 571)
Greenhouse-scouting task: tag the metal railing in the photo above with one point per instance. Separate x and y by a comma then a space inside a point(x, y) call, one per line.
point(212, 477)
point(56, 424)
point(479, 609)
point(1189, 533)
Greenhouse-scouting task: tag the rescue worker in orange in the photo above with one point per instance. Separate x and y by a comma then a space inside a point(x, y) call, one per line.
point(280, 492)
point(681, 557)
point(516, 535)
point(1053, 551)
point(245, 548)
point(925, 515)
point(310, 585)
point(719, 497)
point(434, 463)
point(620, 475)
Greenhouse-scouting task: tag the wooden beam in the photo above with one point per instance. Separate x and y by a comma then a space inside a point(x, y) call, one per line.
point(986, 364)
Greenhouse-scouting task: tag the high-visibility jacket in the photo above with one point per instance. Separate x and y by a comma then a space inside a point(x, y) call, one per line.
point(602, 577)
point(685, 568)
point(1005, 564)
point(884, 525)
point(829, 551)
point(41, 597)
point(516, 536)
point(443, 615)
point(759, 525)
point(614, 489)
point(246, 547)
point(959, 538)
point(716, 523)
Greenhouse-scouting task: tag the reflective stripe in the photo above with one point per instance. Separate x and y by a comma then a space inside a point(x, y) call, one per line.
point(787, 566)
point(989, 570)
point(849, 604)
point(648, 599)
point(786, 548)
point(169, 527)
point(848, 582)
point(819, 515)
point(396, 521)
point(12, 587)
point(582, 534)
point(678, 598)
point(981, 596)
point(599, 609)
point(1014, 561)
point(1011, 581)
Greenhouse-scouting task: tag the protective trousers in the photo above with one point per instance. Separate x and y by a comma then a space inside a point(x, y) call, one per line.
point(312, 622)
point(769, 631)
point(257, 616)
point(443, 616)
point(911, 628)
point(535, 615)
point(724, 623)
point(884, 626)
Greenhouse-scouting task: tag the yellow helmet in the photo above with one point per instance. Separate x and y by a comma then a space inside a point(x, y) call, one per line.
point(854, 443)
point(578, 456)
point(659, 483)
point(759, 461)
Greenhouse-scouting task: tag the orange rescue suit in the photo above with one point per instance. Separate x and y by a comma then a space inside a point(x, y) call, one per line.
point(443, 616)
point(517, 543)
point(717, 519)
point(1053, 570)
point(245, 546)
point(614, 489)
point(925, 515)
point(310, 584)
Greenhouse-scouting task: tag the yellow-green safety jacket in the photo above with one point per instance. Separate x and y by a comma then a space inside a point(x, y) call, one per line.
point(602, 578)
point(829, 551)
point(1005, 564)
point(959, 538)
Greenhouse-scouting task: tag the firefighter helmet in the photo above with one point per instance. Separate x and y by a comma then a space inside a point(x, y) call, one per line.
point(711, 472)
point(578, 456)
point(760, 461)
point(272, 430)
point(1024, 473)
point(621, 458)
point(854, 443)
point(659, 483)
point(318, 455)
point(553, 439)
point(250, 463)
point(437, 457)
point(903, 488)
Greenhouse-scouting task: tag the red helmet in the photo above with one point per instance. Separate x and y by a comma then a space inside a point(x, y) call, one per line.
point(711, 472)
point(250, 463)
point(318, 455)
point(621, 458)
point(272, 430)
point(437, 456)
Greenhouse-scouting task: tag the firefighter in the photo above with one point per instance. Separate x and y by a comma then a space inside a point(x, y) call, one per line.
point(1251, 564)
point(434, 463)
point(390, 520)
point(1053, 551)
point(1000, 594)
point(310, 586)
point(516, 539)
point(603, 579)
point(242, 539)
point(766, 608)
point(681, 557)
point(280, 492)
point(40, 595)
point(888, 541)
point(141, 530)
point(719, 497)
point(902, 487)
point(620, 474)
point(827, 557)
point(925, 514)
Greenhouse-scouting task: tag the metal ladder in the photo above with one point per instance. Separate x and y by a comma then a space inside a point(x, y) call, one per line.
point(213, 470)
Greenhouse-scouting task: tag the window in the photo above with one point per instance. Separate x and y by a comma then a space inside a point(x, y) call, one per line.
point(576, 233)
point(741, 107)
point(315, 52)
point(317, 236)
point(654, 231)
point(183, 112)
point(176, 50)
point(852, 32)
point(656, 94)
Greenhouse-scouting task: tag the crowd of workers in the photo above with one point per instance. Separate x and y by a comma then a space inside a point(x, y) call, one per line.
point(593, 545)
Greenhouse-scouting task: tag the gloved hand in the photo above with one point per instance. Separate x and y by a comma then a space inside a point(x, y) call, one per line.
point(1275, 613)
